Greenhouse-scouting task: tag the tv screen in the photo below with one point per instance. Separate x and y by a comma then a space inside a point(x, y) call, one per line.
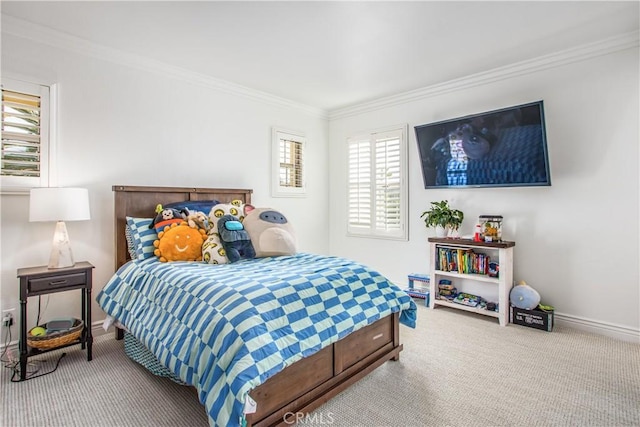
point(500, 148)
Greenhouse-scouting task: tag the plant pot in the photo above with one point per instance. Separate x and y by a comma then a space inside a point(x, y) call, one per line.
point(453, 234)
point(442, 231)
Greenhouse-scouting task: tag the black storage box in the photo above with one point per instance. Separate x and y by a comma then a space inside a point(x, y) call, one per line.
point(532, 318)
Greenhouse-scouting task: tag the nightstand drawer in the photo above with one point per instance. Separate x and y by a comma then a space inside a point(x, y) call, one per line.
point(62, 281)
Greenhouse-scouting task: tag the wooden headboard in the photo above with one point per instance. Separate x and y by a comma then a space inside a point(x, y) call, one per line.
point(141, 202)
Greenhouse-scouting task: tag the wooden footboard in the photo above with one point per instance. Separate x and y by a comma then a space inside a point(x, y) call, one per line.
point(311, 382)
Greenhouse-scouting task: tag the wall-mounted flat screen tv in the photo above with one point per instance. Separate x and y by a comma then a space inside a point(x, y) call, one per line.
point(500, 148)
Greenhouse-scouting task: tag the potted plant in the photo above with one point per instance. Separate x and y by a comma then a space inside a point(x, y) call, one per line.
point(443, 218)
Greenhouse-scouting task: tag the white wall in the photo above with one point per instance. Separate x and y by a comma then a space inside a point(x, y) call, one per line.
point(121, 125)
point(576, 241)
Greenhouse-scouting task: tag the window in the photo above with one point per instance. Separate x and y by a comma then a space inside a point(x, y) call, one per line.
point(288, 163)
point(377, 184)
point(25, 135)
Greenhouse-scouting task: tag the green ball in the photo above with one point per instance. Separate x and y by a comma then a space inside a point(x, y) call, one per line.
point(38, 331)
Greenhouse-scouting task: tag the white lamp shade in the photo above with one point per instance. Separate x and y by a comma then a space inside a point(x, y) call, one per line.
point(59, 204)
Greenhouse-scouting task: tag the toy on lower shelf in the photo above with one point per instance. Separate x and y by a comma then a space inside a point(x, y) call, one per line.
point(446, 290)
point(467, 299)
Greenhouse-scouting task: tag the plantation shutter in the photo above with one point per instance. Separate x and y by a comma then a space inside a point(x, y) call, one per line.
point(360, 184)
point(388, 181)
point(288, 148)
point(25, 135)
point(377, 189)
point(290, 163)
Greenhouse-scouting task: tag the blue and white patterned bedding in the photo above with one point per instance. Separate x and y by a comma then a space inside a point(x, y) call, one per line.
point(226, 329)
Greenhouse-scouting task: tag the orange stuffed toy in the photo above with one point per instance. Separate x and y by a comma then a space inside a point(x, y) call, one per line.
point(179, 242)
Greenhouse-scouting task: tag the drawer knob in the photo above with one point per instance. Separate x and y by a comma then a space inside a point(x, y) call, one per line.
point(375, 337)
point(58, 282)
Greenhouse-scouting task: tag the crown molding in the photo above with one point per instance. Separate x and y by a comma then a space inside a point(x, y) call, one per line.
point(40, 34)
point(44, 35)
point(564, 57)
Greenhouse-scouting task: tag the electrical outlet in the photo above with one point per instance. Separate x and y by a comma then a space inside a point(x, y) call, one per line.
point(7, 317)
point(7, 320)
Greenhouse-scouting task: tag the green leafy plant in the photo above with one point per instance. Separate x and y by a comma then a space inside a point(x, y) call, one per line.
point(442, 215)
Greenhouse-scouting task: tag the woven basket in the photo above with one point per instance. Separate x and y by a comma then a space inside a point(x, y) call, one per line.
point(56, 339)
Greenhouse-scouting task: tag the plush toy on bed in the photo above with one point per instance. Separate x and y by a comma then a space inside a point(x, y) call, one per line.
point(212, 251)
point(179, 242)
point(235, 239)
point(197, 219)
point(165, 217)
point(271, 233)
point(235, 208)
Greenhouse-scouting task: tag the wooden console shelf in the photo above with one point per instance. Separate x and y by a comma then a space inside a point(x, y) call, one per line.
point(501, 252)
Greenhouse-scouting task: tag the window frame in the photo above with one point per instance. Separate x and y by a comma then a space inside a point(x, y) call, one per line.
point(277, 190)
point(48, 101)
point(372, 136)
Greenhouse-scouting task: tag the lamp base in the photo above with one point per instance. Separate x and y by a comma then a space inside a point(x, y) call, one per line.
point(61, 255)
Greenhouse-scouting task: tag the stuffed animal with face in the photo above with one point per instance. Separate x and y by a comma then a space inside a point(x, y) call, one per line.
point(179, 242)
point(197, 219)
point(235, 239)
point(235, 208)
point(165, 217)
point(271, 233)
point(212, 251)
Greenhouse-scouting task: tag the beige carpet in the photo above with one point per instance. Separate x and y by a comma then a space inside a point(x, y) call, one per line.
point(456, 369)
point(459, 369)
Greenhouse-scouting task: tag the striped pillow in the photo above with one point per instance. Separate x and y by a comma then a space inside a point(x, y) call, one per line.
point(131, 247)
point(142, 236)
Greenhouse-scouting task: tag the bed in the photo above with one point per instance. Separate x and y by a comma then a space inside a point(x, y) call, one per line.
point(307, 368)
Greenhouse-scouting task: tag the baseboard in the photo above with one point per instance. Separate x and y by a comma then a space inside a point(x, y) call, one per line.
point(97, 329)
point(620, 332)
point(612, 330)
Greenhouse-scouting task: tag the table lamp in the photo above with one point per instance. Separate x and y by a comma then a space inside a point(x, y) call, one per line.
point(59, 204)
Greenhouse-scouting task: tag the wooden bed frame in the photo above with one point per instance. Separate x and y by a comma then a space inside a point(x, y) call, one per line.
point(308, 383)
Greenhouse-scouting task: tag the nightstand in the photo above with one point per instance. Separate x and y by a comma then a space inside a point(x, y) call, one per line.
point(43, 280)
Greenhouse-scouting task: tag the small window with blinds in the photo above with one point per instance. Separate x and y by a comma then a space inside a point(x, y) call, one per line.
point(288, 163)
point(25, 135)
point(377, 191)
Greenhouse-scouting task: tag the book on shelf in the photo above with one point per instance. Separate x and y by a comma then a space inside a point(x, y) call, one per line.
point(464, 261)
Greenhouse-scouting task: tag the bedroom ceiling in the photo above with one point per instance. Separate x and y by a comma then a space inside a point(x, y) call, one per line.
point(331, 55)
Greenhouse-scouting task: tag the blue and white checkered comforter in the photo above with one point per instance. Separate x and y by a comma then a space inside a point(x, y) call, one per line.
point(226, 329)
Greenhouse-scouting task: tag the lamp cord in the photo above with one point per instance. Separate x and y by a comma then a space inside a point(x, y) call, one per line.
point(7, 340)
point(16, 371)
point(9, 363)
